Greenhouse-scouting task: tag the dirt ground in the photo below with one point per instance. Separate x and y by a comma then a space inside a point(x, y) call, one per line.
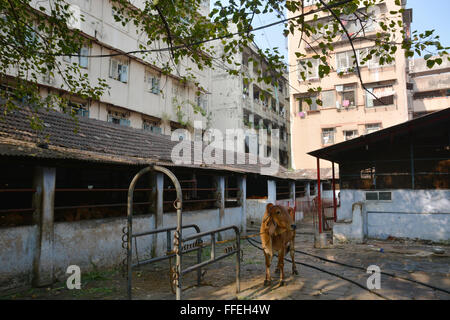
point(408, 259)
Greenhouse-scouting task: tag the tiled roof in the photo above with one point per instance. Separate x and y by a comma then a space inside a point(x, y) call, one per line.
point(84, 139)
point(311, 174)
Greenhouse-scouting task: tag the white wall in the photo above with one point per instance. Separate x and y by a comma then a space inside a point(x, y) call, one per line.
point(18, 246)
point(255, 211)
point(96, 242)
point(423, 214)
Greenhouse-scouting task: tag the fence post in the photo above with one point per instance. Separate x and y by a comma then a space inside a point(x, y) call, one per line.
point(158, 186)
point(220, 195)
point(43, 202)
point(271, 191)
point(242, 193)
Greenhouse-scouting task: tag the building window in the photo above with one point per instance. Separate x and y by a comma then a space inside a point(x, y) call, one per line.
point(384, 96)
point(308, 69)
point(280, 87)
point(328, 99)
point(82, 59)
point(372, 127)
point(345, 61)
point(379, 196)
point(327, 136)
point(350, 134)
point(202, 101)
point(273, 104)
point(152, 126)
point(432, 94)
point(119, 118)
point(264, 100)
point(374, 62)
point(346, 96)
point(245, 89)
point(118, 70)
point(152, 82)
point(79, 109)
point(282, 110)
point(304, 105)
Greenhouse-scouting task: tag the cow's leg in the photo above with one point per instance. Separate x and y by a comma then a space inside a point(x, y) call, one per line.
point(268, 257)
point(294, 266)
point(281, 264)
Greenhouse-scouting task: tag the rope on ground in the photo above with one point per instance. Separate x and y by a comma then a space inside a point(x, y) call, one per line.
point(362, 268)
point(328, 272)
point(384, 273)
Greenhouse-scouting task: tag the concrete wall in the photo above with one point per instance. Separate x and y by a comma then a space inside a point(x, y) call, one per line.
point(255, 211)
point(17, 251)
point(97, 243)
point(423, 214)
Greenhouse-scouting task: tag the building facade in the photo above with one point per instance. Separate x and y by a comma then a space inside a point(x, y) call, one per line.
point(140, 95)
point(238, 104)
point(430, 88)
point(347, 110)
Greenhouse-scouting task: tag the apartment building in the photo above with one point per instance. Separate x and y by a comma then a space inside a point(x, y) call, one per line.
point(240, 104)
point(429, 89)
point(140, 95)
point(347, 110)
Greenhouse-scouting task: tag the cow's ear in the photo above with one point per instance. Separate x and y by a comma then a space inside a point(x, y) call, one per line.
point(291, 212)
point(269, 206)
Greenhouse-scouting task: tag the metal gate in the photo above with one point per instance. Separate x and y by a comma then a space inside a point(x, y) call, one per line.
point(178, 240)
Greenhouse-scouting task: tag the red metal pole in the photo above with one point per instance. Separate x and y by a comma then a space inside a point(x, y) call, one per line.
point(319, 198)
point(334, 196)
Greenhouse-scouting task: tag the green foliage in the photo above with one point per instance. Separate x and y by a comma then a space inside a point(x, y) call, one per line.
point(34, 40)
point(32, 43)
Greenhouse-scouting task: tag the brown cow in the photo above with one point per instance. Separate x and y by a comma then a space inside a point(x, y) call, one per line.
point(278, 234)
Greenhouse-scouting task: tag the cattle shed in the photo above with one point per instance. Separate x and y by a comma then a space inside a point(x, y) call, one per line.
point(63, 192)
point(394, 182)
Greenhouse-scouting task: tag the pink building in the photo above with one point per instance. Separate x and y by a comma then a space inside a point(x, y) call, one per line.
point(347, 110)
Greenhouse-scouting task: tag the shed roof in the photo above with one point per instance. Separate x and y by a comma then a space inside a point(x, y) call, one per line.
point(92, 140)
point(430, 126)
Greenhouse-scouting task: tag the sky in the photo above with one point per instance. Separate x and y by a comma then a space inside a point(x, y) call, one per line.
point(427, 15)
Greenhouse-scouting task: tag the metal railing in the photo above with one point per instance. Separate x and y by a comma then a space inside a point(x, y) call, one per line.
point(178, 240)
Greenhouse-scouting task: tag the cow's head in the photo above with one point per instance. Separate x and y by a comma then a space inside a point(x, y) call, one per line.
point(276, 217)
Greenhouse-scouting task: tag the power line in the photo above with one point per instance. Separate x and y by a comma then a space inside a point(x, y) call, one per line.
point(196, 43)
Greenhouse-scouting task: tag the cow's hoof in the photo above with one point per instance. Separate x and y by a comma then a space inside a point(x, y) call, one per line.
point(267, 283)
point(295, 272)
point(282, 283)
point(277, 271)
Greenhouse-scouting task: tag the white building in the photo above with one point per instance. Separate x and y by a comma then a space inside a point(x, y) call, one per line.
point(140, 96)
point(238, 104)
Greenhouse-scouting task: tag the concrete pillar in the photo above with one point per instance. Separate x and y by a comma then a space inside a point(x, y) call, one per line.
point(242, 198)
point(307, 190)
point(292, 193)
point(271, 191)
point(159, 240)
point(220, 196)
point(43, 202)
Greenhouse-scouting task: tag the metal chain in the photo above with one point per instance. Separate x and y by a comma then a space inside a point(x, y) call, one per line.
point(124, 266)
